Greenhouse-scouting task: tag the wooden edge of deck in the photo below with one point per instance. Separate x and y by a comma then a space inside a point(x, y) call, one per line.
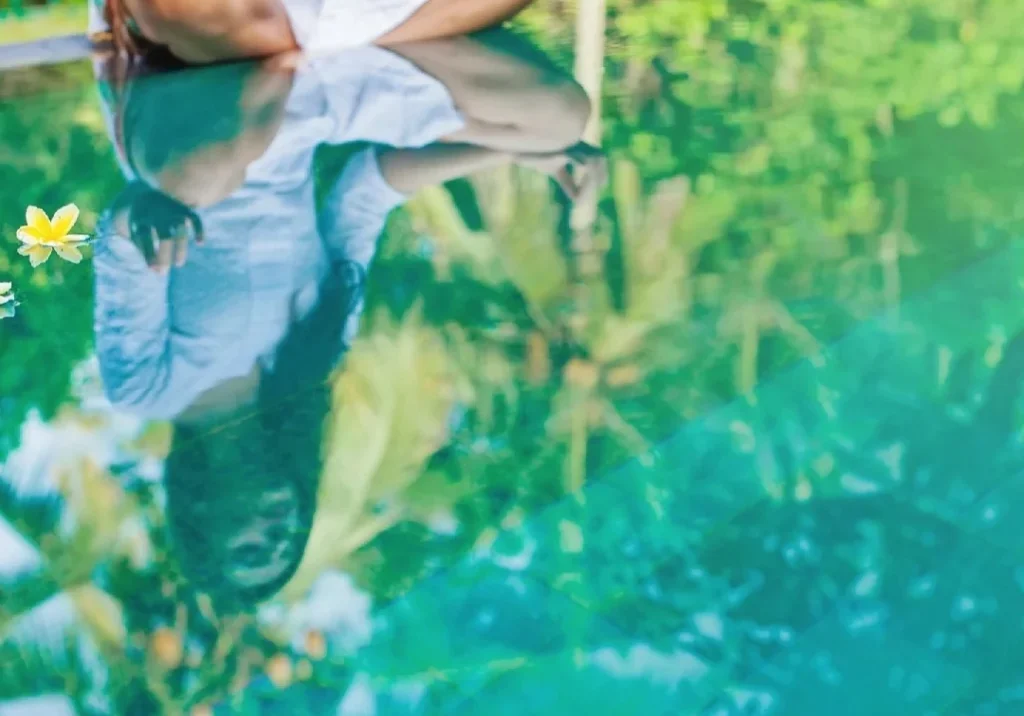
point(50, 51)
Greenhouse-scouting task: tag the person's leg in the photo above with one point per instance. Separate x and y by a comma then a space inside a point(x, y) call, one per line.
point(508, 103)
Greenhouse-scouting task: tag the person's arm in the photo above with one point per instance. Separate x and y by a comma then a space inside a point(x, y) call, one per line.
point(132, 320)
point(409, 170)
point(141, 357)
point(448, 18)
point(376, 180)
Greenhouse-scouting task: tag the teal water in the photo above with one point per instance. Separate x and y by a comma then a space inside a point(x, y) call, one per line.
point(452, 413)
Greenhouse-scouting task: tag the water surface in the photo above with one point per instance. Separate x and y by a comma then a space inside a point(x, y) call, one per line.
point(730, 426)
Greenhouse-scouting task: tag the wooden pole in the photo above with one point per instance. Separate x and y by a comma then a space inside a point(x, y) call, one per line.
point(589, 72)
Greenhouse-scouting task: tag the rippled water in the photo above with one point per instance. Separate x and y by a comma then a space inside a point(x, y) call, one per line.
point(450, 412)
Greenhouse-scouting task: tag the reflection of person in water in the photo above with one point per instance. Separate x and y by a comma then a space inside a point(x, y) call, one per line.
point(232, 337)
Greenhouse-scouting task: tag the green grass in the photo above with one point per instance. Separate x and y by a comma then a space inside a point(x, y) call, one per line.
point(43, 23)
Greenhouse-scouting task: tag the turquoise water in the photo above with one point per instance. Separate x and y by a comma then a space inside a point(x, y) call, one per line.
point(450, 412)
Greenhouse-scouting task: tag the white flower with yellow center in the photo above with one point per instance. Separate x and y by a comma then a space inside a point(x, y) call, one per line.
point(41, 236)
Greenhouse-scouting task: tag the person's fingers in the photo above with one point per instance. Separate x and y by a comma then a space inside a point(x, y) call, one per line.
point(164, 256)
point(154, 248)
point(590, 173)
point(590, 185)
point(566, 182)
point(196, 225)
point(585, 162)
point(180, 250)
point(143, 241)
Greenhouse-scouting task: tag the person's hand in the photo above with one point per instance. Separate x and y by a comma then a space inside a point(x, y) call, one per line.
point(161, 228)
point(578, 170)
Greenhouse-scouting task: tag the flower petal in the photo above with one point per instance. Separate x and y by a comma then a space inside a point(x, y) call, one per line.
point(5, 297)
point(28, 235)
point(63, 220)
point(68, 253)
point(37, 219)
point(36, 254)
point(5, 286)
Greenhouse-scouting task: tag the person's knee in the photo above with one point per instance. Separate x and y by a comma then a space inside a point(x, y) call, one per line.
point(565, 113)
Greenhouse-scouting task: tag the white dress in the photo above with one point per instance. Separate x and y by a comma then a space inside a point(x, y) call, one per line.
point(323, 25)
point(163, 340)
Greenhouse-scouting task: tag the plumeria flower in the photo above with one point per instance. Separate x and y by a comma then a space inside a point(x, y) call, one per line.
point(41, 236)
point(7, 302)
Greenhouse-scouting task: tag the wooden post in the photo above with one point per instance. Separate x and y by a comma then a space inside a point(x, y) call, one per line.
point(589, 72)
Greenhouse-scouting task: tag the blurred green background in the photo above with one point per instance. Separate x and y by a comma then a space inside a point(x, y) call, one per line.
point(26, 20)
